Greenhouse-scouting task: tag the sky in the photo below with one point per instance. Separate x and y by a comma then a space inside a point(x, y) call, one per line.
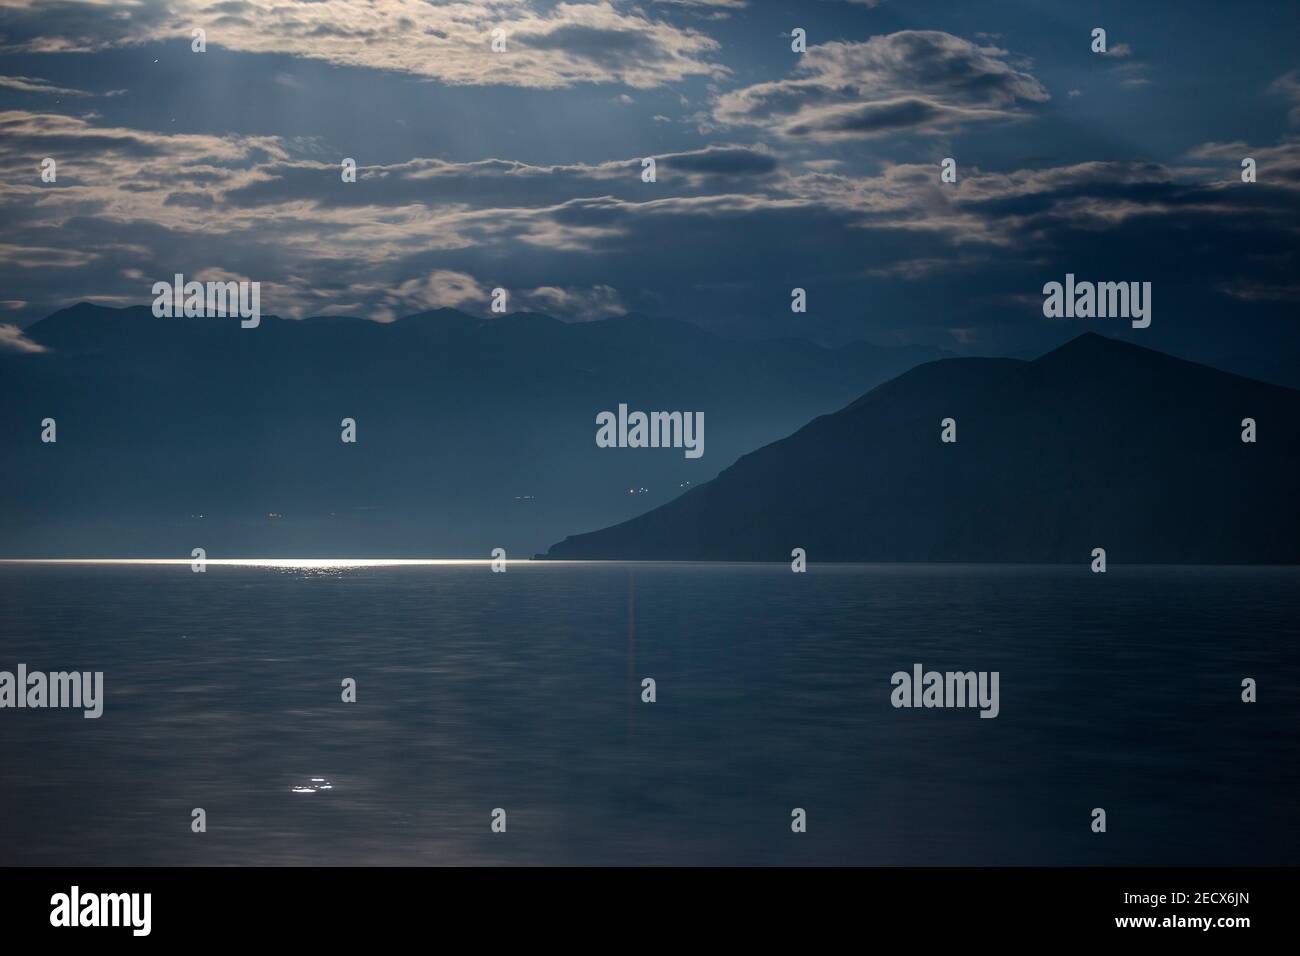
point(775, 169)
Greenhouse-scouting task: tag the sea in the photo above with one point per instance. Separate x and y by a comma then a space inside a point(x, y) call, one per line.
point(501, 718)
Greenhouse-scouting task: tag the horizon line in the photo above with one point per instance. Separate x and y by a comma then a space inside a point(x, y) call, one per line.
point(310, 563)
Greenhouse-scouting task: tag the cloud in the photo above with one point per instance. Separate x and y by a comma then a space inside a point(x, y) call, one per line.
point(729, 161)
point(576, 305)
point(1130, 72)
point(31, 84)
point(1288, 86)
point(1262, 292)
point(730, 4)
point(861, 120)
point(24, 133)
point(914, 80)
point(439, 289)
point(723, 235)
point(43, 257)
point(1276, 165)
point(13, 340)
point(490, 182)
point(547, 45)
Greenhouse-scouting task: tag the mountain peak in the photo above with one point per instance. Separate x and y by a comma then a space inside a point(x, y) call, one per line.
point(1099, 442)
point(445, 315)
point(1093, 343)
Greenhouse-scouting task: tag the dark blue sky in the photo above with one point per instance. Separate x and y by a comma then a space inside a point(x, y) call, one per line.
point(522, 169)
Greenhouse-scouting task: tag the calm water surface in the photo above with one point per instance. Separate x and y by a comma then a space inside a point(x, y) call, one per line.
point(522, 691)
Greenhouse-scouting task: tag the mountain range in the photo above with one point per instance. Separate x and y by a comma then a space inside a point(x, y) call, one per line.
point(1097, 444)
point(472, 433)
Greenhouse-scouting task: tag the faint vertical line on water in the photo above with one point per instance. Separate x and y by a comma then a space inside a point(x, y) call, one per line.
point(631, 651)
